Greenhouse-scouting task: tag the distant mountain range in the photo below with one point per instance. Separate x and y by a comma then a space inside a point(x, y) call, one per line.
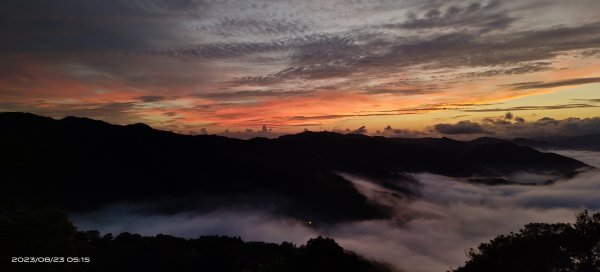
point(80, 164)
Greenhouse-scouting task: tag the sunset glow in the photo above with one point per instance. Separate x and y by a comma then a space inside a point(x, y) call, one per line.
point(227, 66)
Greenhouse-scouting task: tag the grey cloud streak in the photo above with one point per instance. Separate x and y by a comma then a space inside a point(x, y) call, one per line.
point(561, 83)
point(525, 68)
point(339, 116)
point(484, 17)
point(528, 108)
point(253, 93)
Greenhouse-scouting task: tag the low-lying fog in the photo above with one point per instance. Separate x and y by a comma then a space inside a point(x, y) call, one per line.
point(431, 233)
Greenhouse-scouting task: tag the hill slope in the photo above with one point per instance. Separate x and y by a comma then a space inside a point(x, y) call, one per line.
point(81, 164)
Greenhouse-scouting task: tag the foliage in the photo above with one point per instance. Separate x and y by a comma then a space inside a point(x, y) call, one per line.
point(45, 232)
point(542, 247)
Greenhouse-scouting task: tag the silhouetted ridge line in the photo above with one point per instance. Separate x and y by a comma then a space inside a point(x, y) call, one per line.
point(82, 164)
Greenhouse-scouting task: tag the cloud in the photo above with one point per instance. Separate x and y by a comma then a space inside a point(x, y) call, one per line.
point(340, 116)
point(554, 84)
point(462, 127)
point(216, 51)
point(253, 93)
point(589, 157)
point(114, 112)
point(360, 130)
point(524, 68)
point(314, 72)
point(482, 17)
point(263, 132)
point(592, 100)
point(247, 224)
point(342, 53)
point(231, 27)
point(400, 91)
point(451, 216)
point(152, 98)
point(537, 108)
point(519, 127)
point(75, 26)
point(314, 52)
point(305, 53)
point(388, 131)
point(519, 119)
point(425, 234)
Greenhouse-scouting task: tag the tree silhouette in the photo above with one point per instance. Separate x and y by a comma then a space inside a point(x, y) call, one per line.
point(542, 247)
point(34, 231)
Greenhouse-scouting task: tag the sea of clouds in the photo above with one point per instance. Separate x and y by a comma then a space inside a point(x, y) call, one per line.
point(430, 233)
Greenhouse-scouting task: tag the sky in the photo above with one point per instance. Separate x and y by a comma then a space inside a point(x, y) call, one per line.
point(265, 68)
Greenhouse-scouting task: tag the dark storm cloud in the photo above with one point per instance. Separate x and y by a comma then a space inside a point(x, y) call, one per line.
point(560, 83)
point(462, 127)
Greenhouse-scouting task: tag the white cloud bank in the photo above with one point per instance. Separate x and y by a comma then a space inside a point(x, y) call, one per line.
point(431, 233)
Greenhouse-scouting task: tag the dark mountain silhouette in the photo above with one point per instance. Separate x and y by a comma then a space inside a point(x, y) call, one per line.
point(81, 164)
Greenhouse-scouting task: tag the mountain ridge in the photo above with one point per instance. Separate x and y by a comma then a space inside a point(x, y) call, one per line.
point(82, 164)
